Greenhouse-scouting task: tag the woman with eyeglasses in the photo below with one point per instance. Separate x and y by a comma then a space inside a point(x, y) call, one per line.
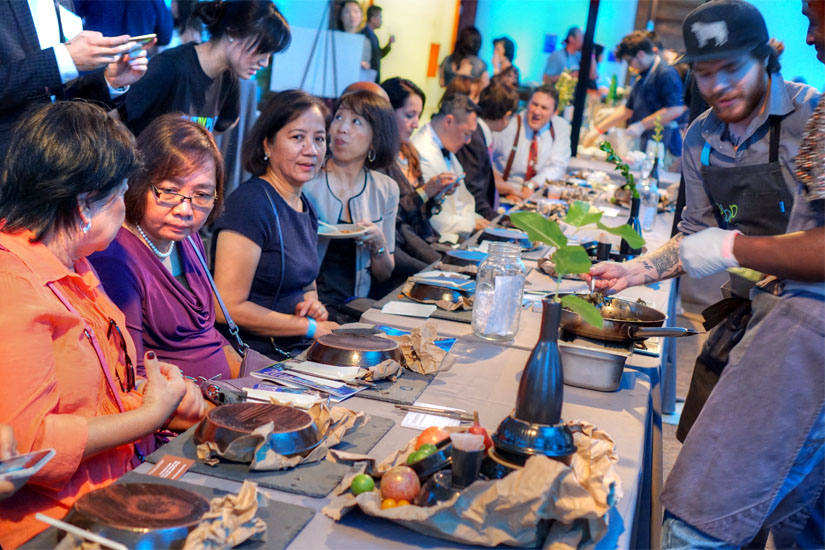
point(152, 270)
point(67, 377)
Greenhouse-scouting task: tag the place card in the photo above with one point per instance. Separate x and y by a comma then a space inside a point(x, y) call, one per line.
point(171, 467)
point(409, 309)
point(421, 421)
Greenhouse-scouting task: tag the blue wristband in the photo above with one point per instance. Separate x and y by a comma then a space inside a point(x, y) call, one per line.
point(311, 328)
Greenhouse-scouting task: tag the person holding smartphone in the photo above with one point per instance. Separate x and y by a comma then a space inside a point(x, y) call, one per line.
point(201, 80)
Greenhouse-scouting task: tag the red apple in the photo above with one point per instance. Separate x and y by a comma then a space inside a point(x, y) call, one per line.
point(432, 435)
point(400, 483)
point(478, 429)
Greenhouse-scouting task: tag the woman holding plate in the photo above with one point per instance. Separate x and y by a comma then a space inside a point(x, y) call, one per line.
point(265, 268)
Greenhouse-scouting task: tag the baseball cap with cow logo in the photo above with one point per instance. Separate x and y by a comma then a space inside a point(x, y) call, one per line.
point(722, 28)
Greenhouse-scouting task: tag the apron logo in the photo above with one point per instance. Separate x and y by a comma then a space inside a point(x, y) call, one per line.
point(728, 213)
point(705, 32)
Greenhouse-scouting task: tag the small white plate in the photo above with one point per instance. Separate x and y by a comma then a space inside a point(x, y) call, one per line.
point(341, 231)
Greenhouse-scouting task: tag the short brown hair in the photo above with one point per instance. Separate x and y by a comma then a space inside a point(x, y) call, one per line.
point(550, 90)
point(172, 147)
point(378, 112)
point(633, 43)
point(497, 100)
point(278, 111)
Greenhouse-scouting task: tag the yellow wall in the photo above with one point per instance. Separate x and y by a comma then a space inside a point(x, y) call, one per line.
point(415, 24)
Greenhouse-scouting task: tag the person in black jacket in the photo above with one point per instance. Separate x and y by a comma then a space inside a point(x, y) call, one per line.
point(375, 19)
point(498, 101)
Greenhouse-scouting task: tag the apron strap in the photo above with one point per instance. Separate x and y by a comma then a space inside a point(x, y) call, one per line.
point(706, 154)
point(773, 147)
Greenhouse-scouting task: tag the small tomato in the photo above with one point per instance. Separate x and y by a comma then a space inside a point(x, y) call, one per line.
point(362, 483)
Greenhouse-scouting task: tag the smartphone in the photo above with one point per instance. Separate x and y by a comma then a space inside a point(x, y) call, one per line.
point(141, 40)
point(24, 466)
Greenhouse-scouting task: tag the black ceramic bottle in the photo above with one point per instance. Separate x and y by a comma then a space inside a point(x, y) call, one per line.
point(632, 221)
point(540, 392)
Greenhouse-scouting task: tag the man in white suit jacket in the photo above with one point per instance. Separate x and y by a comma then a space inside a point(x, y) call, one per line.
point(437, 142)
point(552, 136)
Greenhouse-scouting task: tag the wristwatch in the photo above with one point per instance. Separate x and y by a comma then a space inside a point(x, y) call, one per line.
point(529, 185)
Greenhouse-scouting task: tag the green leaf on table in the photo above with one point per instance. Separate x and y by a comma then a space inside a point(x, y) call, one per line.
point(539, 228)
point(572, 259)
point(582, 213)
point(589, 313)
point(626, 232)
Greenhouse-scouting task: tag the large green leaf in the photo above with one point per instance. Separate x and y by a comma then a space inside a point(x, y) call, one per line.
point(626, 232)
point(582, 213)
point(539, 228)
point(588, 312)
point(571, 259)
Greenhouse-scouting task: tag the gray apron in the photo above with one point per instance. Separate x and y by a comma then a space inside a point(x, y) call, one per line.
point(755, 200)
point(751, 459)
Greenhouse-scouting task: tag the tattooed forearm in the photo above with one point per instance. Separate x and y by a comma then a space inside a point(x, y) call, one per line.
point(664, 262)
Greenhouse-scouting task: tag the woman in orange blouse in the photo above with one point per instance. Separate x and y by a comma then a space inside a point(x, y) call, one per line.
point(65, 355)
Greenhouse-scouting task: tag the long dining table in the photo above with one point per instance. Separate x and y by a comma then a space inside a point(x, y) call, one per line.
point(485, 378)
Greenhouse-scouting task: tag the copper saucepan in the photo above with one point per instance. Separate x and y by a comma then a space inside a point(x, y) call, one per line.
point(623, 320)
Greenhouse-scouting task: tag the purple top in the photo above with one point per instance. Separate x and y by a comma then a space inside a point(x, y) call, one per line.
point(161, 314)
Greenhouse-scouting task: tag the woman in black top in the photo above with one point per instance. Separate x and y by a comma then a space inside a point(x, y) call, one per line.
point(265, 261)
point(201, 80)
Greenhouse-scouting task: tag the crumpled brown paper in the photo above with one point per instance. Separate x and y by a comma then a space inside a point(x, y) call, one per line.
point(515, 510)
point(229, 522)
point(420, 352)
point(462, 302)
point(333, 424)
point(389, 369)
point(73, 542)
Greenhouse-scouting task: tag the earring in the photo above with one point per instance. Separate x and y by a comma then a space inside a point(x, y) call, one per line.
point(266, 156)
point(371, 155)
point(86, 226)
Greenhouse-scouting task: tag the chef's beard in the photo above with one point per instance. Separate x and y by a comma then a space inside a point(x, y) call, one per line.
point(745, 105)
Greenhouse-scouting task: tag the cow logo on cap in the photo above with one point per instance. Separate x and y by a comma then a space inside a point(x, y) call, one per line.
point(705, 32)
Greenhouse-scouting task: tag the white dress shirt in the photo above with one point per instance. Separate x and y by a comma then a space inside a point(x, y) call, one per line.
point(458, 212)
point(553, 154)
point(48, 34)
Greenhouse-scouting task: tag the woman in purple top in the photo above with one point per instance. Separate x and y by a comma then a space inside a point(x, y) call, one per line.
point(151, 270)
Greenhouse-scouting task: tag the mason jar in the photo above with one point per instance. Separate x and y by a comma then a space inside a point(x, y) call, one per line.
point(499, 293)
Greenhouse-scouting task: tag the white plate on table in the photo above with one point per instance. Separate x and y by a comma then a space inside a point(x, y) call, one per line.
point(341, 231)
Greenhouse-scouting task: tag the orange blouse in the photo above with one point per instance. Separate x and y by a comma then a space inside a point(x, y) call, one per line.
point(52, 380)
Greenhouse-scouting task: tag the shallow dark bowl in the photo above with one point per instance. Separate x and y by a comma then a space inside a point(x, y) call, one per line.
point(519, 437)
point(496, 466)
point(140, 515)
point(354, 350)
point(295, 431)
point(463, 258)
point(438, 488)
point(439, 460)
point(423, 292)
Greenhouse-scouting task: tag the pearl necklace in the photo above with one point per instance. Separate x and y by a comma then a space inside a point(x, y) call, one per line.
point(158, 253)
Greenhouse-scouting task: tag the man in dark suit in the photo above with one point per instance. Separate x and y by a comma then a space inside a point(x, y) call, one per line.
point(38, 64)
point(375, 19)
point(497, 102)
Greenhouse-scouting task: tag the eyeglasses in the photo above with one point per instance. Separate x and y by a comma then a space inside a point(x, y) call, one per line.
point(169, 198)
point(114, 331)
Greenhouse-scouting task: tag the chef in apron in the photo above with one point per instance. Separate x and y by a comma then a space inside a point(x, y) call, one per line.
point(657, 93)
point(763, 427)
point(738, 167)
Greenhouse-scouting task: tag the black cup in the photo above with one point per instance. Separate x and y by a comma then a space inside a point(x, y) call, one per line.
point(466, 467)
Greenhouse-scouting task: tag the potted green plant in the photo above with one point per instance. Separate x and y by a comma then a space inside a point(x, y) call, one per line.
point(627, 248)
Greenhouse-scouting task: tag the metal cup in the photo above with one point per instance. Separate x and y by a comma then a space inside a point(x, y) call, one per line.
point(466, 467)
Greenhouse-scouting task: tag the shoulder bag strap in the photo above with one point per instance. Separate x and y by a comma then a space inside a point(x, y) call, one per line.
point(281, 246)
point(506, 173)
point(233, 328)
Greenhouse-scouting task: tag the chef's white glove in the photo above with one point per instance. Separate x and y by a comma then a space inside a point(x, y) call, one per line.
point(636, 129)
point(707, 252)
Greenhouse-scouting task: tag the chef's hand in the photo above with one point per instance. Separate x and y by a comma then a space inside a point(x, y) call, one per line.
point(609, 277)
point(312, 308)
point(635, 130)
point(707, 252)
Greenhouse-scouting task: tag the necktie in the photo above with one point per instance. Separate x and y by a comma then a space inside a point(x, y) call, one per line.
point(445, 152)
point(531, 159)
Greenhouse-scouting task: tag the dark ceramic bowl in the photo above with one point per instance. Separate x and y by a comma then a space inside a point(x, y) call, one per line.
point(464, 257)
point(438, 488)
point(514, 236)
point(354, 350)
point(496, 466)
point(519, 437)
point(439, 460)
point(423, 292)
